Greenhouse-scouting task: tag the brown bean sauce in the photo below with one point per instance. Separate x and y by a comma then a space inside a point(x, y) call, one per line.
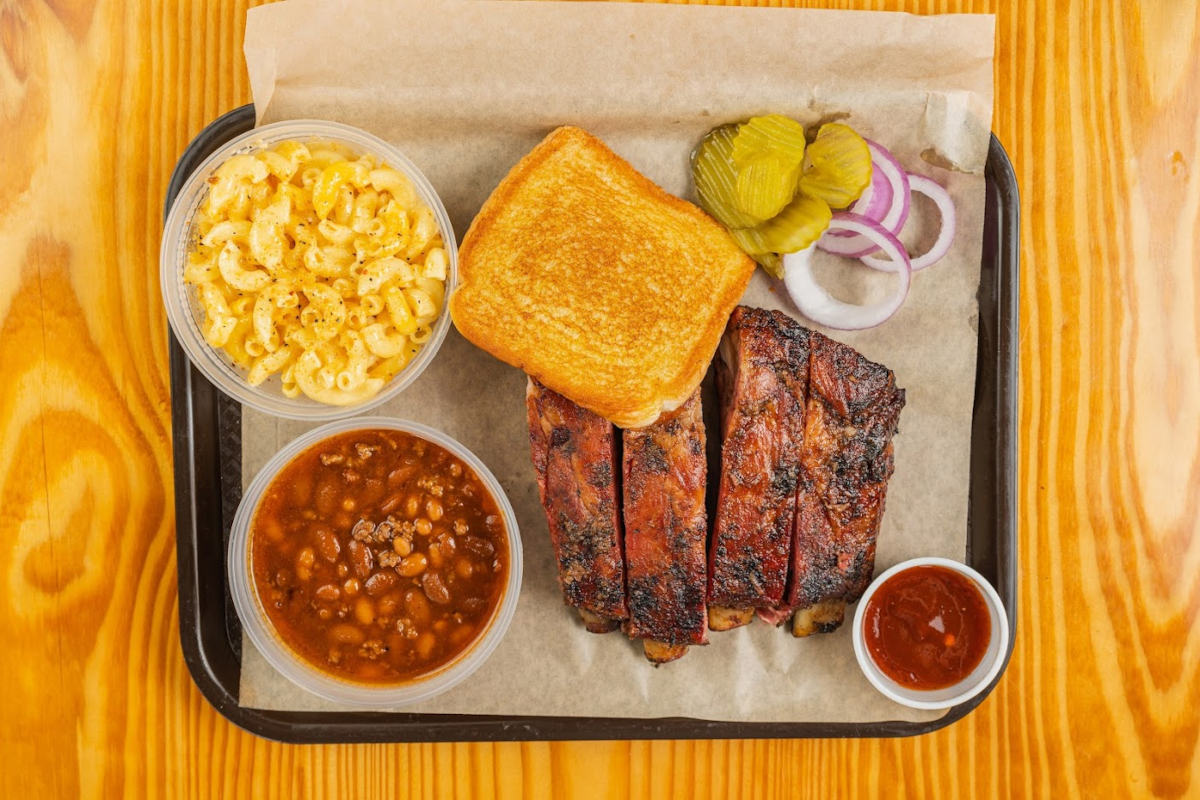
point(378, 556)
point(927, 627)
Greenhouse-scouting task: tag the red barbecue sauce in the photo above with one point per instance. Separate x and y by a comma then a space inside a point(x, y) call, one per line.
point(927, 627)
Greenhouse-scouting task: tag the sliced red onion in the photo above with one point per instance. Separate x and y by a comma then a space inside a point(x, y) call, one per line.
point(941, 198)
point(885, 164)
point(873, 203)
point(823, 308)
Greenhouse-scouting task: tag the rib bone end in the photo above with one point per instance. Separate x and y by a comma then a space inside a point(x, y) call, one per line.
point(724, 618)
point(662, 652)
point(823, 617)
point(598, 624)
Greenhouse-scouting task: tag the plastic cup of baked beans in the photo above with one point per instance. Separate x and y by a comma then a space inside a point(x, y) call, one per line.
point(262, 633)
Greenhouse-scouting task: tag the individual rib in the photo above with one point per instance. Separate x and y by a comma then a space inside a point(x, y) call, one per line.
point(664, 474)
point(762, 377)
point(574, 455)
point(845, 463)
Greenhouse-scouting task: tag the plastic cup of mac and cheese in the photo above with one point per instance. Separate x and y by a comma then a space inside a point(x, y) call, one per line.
point(305, 268)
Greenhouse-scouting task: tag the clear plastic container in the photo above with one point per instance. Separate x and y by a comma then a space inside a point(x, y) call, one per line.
point(979, 679)
point(185, 315)
point(378, 696)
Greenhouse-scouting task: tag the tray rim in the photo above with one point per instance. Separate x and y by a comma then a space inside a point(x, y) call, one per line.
point(195, 402)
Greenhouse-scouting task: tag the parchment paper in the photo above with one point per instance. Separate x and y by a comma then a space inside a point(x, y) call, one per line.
point(466, 88)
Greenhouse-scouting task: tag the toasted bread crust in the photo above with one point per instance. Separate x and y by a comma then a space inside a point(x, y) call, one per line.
point(588, 276)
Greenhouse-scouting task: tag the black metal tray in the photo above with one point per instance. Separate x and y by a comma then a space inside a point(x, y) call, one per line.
point(208, 486)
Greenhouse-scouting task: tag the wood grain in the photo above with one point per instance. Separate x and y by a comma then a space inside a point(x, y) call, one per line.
point(1099, 106)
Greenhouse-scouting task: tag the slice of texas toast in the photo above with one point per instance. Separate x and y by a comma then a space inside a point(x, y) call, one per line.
point(582, 272)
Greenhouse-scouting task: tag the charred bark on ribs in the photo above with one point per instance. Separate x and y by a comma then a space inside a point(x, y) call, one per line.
point(762, 374)
point(666, 528)
point(575, 457)
point(853, 410)
point(806, 453)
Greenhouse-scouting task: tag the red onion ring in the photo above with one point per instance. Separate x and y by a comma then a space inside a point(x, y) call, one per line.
point(885, 164)
point(814, 302)
point(873, 203)
point(941, 198)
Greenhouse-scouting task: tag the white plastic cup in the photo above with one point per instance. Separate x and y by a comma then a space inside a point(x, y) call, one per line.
point(266, 640)
point(185, 315)
point(979, 679)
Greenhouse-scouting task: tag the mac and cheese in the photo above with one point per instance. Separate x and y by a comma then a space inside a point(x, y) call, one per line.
point(317, 264)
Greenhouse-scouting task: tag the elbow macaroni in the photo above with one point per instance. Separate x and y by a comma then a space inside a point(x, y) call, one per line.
point(318, 265)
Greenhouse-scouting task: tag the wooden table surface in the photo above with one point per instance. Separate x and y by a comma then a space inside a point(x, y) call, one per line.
point(1098, 104)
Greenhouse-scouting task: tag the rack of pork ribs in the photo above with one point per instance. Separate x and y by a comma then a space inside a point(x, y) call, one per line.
point(806, 453)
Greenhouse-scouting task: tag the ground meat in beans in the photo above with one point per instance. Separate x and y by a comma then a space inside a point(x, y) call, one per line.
point(372, 649)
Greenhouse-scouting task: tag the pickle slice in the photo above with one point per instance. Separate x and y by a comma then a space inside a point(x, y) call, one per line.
point(838, 166)
point(771, 262)
point(774, 134)
point(765, 184)
point(750, 241)
point(797, 226)
point(715, 176)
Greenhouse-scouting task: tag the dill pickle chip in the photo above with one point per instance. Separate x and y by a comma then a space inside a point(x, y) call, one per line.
point(750, 241)
point(765, 184)
point(797, 226)
point(715, 176)
point(771, 262)
point(774, 134)
point(837, 166)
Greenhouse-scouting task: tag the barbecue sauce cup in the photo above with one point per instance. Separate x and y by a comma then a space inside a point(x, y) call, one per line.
point(930, 633)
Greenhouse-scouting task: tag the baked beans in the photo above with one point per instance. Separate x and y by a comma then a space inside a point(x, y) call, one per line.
point(378, 556)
